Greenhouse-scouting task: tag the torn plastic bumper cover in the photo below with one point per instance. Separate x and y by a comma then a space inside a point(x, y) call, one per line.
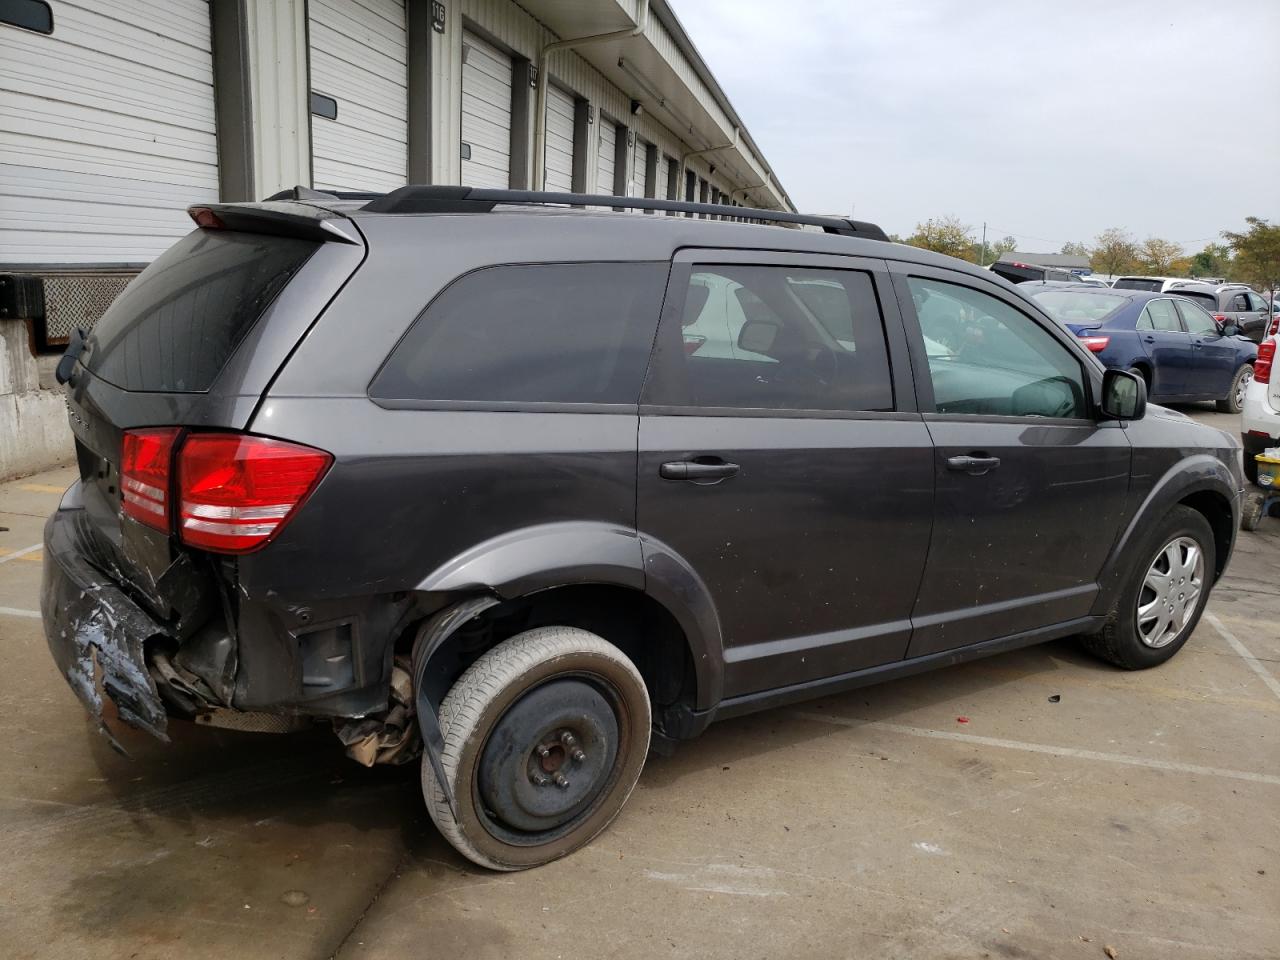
point(97, 635)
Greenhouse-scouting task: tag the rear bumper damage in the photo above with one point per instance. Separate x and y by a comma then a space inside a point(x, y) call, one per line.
point(98, 635)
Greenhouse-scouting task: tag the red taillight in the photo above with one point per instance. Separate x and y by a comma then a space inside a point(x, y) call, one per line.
point(1221, 318)
point(1096, 344)
point(235, 493)
point(1274, 328)
point(145, 459)
point(1266, 356)
point(204, 217)
point(693, 343)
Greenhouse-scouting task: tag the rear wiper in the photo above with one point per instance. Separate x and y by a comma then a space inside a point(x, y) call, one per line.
point(67, 365)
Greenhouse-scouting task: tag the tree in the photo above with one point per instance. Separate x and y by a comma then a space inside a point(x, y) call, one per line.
point(1157, 255)
point(1257, 254)
point(1213, 261)
point(945, 235)
point(1114, 252)
point(1074, 249)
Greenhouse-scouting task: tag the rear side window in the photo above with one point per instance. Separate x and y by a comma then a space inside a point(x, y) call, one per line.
point(1162, 316)
point(176, 325)
point(531, 333)
point(781, 338)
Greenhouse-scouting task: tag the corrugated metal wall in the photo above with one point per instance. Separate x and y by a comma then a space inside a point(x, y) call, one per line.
point(106, 131)
point(278, 76)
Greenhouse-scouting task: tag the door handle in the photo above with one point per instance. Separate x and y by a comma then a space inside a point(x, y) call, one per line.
point(1149, 339)
point(974, 466)
point(697, 470)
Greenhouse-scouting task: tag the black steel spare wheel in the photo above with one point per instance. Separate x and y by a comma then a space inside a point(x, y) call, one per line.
point(547, 758)
point(544, 738)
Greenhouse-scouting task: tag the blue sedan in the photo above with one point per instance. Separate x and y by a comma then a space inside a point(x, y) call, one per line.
point(1173, 343)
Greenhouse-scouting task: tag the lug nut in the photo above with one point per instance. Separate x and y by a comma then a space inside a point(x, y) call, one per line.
point(578, 755)
point(561, 781)
point(568, 739)
point(539, 780)
point(542, 750)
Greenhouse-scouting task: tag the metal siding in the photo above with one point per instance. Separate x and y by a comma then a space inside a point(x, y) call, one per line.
point(359, 57)
point(559, 160)
point(608, 139)
point(106, 132)
point(277, 43)
point(486, 113)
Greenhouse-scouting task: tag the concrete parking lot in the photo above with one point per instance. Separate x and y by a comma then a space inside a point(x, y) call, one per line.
point(1036, 804)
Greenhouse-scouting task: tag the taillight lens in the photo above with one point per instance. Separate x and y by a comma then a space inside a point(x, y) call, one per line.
point(236, 492)
point(145, 459)
point(1274, 328)
point(1266, 356)
point(1220, 317)
point(1096, 344)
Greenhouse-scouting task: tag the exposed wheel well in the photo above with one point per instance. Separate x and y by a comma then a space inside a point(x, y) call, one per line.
point(632, 621)
point(1144, 371)
point(1215, 508)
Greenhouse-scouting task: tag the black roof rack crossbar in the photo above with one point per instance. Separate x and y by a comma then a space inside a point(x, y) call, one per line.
point(451, 199)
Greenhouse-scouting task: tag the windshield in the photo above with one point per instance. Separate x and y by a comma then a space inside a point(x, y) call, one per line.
point(1079, 306)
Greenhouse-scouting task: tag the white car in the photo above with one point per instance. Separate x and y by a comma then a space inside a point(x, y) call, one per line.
point(1260, 415)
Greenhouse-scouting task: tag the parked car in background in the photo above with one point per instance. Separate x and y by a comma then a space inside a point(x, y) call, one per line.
point(1094, 281)
point(1240, 304)
point(1260, 418)
point(1017, 272)
point(1172, 342)
point(1159, 284)
point(519, 519)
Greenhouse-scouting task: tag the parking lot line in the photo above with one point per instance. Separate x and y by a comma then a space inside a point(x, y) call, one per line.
point(21, 553)
point(1254, 663)
point(16, 612)
point(1053, 751)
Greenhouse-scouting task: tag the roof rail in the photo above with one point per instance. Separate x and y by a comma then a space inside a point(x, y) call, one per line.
point(452, 199)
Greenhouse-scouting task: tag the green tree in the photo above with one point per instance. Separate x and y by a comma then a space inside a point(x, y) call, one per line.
point(944, 235)
point(1213, 261)
point(1074, 249)
point(1114, 252)
point(1257, 254)
point(1158, 256)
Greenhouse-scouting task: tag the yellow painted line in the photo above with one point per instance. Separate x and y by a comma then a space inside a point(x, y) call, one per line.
point(40, 488)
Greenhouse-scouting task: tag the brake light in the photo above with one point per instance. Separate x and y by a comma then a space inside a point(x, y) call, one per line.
point(237, 492)
point(1096, 344)
point(1221, 318)
point(1262, 366)
point(204, 217)
point(145, 459)
point(1274, 328)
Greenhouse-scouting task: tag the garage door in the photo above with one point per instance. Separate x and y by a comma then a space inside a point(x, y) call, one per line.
point(106, 132)
point(663, 174)
point(559, 140)
point(486, 114)
point(605, 161)
point(358, 59)
point(639, 167)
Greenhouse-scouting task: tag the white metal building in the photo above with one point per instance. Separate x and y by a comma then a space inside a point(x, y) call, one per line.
point(114, 117)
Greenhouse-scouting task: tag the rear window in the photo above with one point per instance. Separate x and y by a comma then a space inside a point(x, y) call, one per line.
point(1204, 298)
point(176, 325)
point(1071, 306)
point(531, 333)
point(1137, 283)
point(1017, 274)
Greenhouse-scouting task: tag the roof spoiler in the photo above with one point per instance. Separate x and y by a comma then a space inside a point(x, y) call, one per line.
point(277, 219)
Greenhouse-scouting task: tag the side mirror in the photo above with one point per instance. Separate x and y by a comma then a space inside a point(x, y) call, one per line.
point(1124, 395)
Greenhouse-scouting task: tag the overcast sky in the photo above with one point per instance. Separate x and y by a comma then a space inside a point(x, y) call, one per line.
point(1050, 121)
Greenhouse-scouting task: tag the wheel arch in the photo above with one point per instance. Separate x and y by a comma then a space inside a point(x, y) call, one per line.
point(1201, 482)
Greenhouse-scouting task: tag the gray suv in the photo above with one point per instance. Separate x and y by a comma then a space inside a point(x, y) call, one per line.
point(524, 490)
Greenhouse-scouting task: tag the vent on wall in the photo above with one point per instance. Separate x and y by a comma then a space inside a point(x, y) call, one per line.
point(324, 106)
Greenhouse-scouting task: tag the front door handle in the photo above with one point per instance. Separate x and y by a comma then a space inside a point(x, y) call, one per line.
point(974, 466)
point(697, 470)
point(1149, 339)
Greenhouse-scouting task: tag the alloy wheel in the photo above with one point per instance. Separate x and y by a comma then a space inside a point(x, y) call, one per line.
point(1242, 387)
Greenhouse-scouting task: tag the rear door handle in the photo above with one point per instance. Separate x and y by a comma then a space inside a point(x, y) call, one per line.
point(974, 466)
point(1149, 339)
point(697, 470)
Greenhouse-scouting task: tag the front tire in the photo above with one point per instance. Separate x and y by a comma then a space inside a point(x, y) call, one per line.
point(544, 738)
point(1233, 402)
point(1170, 574)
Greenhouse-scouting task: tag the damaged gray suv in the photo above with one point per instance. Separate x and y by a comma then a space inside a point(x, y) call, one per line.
point(524, 488)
